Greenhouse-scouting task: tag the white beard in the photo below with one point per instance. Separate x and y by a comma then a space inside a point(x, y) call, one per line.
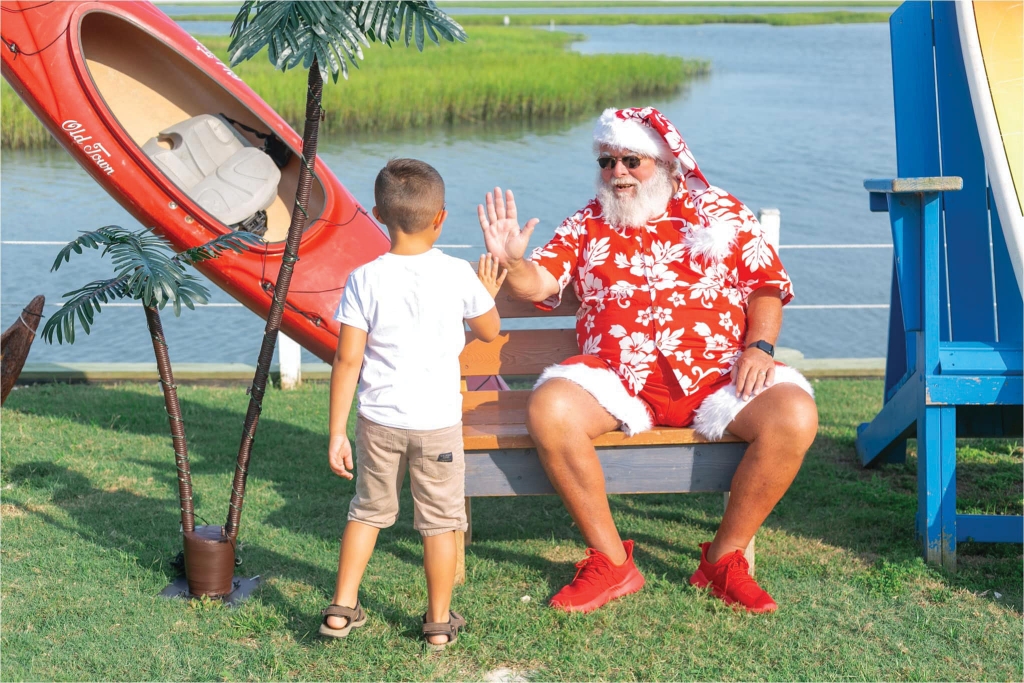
point(651, 199)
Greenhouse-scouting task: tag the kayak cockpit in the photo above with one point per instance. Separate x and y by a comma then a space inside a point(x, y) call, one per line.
point(155, 93)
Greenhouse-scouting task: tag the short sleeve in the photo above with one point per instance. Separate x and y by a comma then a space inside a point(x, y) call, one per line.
point(757, 263)
point(475, 298)
point(560, 256)
point(351, 311)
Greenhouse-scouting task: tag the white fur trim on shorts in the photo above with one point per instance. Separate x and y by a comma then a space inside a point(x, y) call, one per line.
point(604, 385)
point(720, 408)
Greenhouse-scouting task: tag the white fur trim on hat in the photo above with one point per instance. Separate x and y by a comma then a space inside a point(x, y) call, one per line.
point(604, 385)
point(630, 135)
point(720, 408)
point(714, 242)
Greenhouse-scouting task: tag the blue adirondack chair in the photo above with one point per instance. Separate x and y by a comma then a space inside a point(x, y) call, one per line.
point(955, 327)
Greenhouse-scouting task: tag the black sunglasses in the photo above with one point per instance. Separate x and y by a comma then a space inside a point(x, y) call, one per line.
point(630, 162)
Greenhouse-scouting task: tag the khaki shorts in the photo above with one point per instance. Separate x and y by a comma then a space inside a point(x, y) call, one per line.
point(437, 475)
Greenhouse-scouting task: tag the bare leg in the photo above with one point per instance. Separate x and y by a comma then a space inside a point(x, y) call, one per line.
point(780, 424)
point(563, 418)
point(356, 547)
point(439, 564)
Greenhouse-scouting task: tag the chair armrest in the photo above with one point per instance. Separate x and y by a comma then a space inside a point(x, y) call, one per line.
point(881, 188)
point(901, 185)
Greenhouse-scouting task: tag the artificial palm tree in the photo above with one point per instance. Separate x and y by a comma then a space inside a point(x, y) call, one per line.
point(147, 271)
point(322, 36)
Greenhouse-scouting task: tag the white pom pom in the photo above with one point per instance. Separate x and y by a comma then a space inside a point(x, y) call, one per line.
point(713, 243)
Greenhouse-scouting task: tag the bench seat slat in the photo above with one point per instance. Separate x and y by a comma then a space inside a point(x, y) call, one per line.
point(497, 420)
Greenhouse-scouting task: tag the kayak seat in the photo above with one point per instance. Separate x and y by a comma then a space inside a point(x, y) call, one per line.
point(218, 168)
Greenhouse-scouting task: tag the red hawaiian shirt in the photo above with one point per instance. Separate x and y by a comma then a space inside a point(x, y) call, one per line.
point(677, 286)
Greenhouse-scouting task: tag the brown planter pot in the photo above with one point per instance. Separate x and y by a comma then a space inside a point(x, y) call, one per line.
point(209, 561)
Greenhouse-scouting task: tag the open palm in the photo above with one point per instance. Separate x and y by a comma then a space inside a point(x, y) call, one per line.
point(500, 224)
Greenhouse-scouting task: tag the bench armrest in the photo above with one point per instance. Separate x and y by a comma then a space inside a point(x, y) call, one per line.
point(880, 188)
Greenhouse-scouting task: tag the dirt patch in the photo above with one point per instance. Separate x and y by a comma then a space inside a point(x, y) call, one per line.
point(7, 510)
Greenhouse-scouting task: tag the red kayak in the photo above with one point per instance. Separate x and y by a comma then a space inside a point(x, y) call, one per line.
point(173, 135)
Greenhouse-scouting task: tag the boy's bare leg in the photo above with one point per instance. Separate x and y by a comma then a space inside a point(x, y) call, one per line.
point(356, 547)
point(439, 564)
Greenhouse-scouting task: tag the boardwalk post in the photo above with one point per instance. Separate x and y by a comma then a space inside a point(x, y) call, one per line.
point(771, 223)
point(290, 361)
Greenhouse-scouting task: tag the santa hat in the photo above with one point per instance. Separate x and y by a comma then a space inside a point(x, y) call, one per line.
point(646, 131)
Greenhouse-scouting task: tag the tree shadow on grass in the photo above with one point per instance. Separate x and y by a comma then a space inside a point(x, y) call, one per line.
point(291, 459)
point(111, 519)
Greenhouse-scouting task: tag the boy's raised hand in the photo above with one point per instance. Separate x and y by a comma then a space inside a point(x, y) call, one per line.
point(340, 454)
point(487, 271)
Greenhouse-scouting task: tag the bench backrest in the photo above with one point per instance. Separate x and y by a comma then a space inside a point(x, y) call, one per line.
point(937, 135)
point(522, 351)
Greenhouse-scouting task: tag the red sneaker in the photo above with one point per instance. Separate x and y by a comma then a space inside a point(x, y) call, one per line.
point(598, 581)
point(730, 581)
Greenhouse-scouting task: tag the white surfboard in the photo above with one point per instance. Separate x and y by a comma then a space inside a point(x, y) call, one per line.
point(992, 39)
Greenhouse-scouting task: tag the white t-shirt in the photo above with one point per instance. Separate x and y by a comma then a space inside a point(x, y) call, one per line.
point(412, 309)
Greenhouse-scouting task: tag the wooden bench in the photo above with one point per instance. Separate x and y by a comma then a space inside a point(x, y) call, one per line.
point(501, 459)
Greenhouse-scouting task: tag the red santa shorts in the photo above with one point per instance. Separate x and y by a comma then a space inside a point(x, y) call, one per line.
point(662, 401)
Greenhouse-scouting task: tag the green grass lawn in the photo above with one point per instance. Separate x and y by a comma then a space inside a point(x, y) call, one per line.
point(89, 524)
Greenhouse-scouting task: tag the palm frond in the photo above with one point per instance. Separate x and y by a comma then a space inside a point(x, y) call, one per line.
point(190, 291)
point(93, 239)
point(146, 270)
point(298, 32)
point(333, 31)
point(236, 242)
point(153, 274)
point(413, 18)
point(83, 303)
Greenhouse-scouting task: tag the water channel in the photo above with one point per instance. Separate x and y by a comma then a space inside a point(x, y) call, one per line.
point(793, 118)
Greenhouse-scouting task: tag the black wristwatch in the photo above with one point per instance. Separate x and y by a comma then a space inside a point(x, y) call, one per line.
point(764, 346)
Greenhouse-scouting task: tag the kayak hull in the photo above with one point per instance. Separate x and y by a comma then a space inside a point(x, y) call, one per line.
point(78, 67)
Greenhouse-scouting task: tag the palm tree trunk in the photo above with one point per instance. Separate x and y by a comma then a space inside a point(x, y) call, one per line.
point(163, 364)
point(259, 383)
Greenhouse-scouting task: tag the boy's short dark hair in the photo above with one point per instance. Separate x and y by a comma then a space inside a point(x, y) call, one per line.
point(409, 194)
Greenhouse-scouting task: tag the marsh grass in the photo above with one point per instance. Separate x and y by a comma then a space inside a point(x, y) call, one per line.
point(19, 128)
point(498, 75)
point(89, 522)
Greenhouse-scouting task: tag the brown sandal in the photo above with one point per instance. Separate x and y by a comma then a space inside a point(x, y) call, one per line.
point(355, 615)
point(450, 628)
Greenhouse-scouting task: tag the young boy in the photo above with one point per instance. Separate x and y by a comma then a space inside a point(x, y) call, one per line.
point(401, 334)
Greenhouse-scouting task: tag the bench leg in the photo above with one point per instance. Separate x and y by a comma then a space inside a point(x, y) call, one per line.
point(749, 552)
point(462, 539)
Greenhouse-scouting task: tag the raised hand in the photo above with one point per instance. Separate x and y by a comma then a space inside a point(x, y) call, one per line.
point(500, 224)
point(487, 271)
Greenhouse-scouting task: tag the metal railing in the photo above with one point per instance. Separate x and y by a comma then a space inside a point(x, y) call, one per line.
point(290, 353)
